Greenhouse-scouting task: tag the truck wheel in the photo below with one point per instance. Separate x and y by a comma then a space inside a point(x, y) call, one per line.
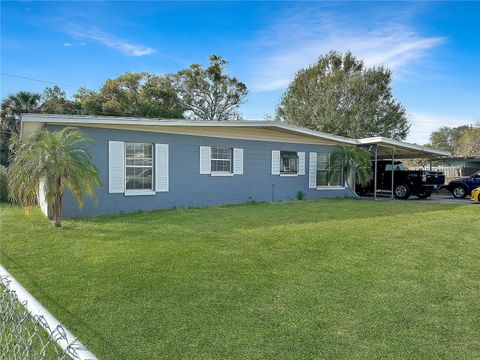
point(459, 192)
point(424, 195)
point(401, 191)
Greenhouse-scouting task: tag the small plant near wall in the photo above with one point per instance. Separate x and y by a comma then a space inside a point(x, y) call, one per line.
point(300, 195)
point(58, 160)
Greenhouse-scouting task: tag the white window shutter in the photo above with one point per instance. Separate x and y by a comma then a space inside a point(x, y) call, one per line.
point(116, 167)
point(161, 167)
point(301, 163)
point(275, 162)
point(312, 170)
point(205, 160)
point(238, 161)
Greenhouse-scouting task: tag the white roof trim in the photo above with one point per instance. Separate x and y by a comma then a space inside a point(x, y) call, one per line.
point(379, 140)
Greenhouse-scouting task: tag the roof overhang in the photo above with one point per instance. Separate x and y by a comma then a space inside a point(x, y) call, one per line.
point(385, 146)
point(400, 149)
point(33, 122)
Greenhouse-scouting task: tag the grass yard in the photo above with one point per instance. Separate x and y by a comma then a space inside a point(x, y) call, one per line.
point(312, 279)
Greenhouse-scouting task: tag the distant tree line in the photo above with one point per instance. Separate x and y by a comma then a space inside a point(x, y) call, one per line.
point(337, 94)
point(461, 141)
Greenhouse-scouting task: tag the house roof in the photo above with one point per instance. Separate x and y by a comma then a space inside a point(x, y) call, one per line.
point(402, 149)
point(36, 121)
point(234, 129)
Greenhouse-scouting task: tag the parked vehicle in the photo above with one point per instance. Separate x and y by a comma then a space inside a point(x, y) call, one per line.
point(405, 182)
point(464, 186)
point(475, 197)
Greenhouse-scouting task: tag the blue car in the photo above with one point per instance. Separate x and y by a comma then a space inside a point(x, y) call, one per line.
point(463, 187)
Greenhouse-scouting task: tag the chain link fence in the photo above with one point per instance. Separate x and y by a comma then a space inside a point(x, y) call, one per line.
point(27, 336)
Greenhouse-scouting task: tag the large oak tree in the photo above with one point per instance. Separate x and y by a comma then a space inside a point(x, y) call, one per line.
point(209, 93)
point(340, 95)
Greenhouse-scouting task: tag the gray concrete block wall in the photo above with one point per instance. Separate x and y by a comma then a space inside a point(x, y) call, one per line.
point(187, 186)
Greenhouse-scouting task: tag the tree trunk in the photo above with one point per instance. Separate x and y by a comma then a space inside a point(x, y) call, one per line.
point(351, 186)
point(57, 207)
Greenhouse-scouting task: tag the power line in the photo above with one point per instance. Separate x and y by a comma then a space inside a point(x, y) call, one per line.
point(39, 80)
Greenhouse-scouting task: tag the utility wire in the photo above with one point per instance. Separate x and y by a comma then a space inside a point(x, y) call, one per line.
point(38, 80)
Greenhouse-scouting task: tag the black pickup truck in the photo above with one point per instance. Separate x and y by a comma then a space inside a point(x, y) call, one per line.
point(405, 182)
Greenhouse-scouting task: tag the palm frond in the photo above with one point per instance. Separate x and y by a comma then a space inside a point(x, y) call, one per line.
point(351, 162)
point(60, 160)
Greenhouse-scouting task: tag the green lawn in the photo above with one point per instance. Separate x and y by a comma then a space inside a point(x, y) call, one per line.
point(341, 279)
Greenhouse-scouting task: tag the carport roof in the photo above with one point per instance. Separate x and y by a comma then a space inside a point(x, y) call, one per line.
point(401, 149)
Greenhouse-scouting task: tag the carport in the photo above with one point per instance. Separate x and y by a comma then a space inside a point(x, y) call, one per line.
point(385, 149)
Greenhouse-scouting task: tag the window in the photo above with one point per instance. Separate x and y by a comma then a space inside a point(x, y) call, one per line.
point(324, 172)
point(221, 160)
point(288, 162)
point(138, 166)
point(398, 167)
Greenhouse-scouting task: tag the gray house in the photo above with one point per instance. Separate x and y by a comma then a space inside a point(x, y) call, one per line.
point(153, 164)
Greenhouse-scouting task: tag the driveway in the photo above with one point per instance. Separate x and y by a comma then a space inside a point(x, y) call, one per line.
point(440, 198)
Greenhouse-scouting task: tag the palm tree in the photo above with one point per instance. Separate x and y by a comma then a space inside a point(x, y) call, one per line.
point(59, 160)
point(12, 107)
point(351, 163)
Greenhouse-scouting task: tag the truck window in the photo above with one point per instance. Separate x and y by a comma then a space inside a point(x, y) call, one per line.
point(398, 167)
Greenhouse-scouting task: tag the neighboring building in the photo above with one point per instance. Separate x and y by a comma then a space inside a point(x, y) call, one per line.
point(457, 167)
point(470, 164)
point(150, 164)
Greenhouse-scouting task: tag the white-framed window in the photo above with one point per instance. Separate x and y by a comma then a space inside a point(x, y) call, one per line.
point(138, 167)
point(288, 162)
point(221, 159)
point(324, 172)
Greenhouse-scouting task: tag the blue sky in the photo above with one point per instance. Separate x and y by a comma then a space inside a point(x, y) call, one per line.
point(432, 47)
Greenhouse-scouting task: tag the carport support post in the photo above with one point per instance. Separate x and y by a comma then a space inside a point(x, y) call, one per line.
point(376, 170)
point(430, 164)
point(393, 167)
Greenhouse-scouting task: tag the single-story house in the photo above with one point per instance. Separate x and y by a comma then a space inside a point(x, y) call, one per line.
point(150, 164)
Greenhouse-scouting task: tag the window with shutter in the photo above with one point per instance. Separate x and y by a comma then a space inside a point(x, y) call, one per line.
point(288, 162)
point(138, 166)
point(221, 160)
point(324, 172)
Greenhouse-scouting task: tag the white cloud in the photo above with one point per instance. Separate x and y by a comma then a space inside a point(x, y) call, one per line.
point(67, 44)
point(95, 35)
point(424, 124)
point(298, 39)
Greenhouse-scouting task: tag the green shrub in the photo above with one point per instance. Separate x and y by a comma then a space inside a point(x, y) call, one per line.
point(3, 184)
point(300, 195)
